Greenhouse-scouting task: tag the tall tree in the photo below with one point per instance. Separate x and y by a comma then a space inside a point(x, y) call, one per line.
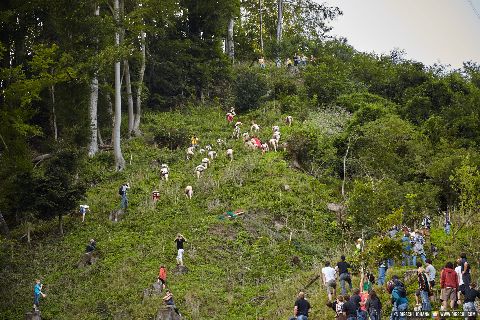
point(117, 150)
point(230, 44)
point(141, 73)
point(93, 145)
point(279, 20)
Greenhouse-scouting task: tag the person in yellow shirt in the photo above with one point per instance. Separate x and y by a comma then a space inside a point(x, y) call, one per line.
point(194, 141)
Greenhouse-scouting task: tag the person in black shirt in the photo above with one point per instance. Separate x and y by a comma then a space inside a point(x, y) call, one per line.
point(301, 308)
point(465, 270)
point(344, 276)
point(92, 245)
point(180, 240)
point(349, 309)
point(470, 294)
point(355, 298)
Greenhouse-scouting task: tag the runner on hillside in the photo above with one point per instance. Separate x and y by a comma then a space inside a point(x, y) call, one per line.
point(329, 276)
point(344, 276)
point(162, 276)
point(180, 240)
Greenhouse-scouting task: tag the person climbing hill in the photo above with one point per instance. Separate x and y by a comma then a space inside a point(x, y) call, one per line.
point(194, 141)
point(37, 292)
point(329, 276)
point(180, 240)
point(162, 276)
point(344, 275)
point(83, 210)
point(122, 192)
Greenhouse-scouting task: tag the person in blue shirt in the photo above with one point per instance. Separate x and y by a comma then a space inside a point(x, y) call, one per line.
point(399, 299)
point(37, 292)
point(407, 248)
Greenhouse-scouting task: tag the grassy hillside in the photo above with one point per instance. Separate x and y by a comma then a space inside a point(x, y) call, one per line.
point(238, 269)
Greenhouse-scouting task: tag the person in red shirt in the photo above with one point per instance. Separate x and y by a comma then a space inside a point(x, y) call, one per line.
point(449, 285)
point(162, 276)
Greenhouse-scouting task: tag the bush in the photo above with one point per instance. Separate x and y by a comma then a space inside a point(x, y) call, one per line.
point(249, 87)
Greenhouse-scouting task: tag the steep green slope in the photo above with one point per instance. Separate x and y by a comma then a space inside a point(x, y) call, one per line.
point(238, 269)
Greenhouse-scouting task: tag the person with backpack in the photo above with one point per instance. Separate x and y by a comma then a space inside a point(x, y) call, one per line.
point(398, 298)
point(83, 211)
point(162, 276)
point(180, 240)
point(423, 287)
point(122, 191)
point(374, 306)
point(449, 286)
point(344, 276)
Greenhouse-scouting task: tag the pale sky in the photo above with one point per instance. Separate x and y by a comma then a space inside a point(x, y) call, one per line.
point(430, 31)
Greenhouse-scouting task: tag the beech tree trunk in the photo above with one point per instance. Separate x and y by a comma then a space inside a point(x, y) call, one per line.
point(280, 21)
point(261, 24)
point(138, 113)
point(128, 85)
point(117, 150)
point(54, 115)
point(93, 146)
point(230, 44)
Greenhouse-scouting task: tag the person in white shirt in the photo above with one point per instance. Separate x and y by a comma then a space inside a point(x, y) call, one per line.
point(461, 286)
point(430, 272)
point(329, 280)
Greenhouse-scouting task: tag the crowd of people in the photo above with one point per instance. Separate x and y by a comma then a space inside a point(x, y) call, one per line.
point(457, 290)
point(298, 61)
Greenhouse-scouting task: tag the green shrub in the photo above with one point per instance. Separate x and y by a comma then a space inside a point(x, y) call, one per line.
point(249, 87)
